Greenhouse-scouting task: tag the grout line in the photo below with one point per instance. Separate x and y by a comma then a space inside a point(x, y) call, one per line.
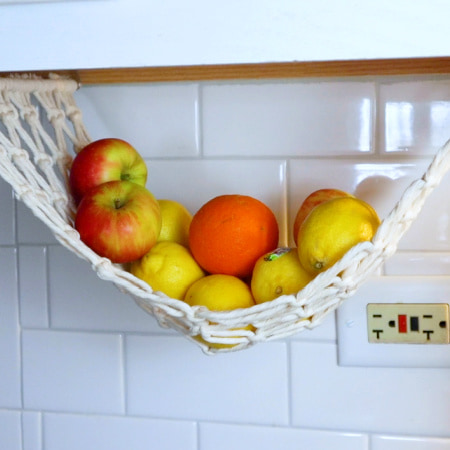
point(19, 327)
point(32, 244)
point(288, 198)
point(199, 122)
point(104, 331)
point(42, 428)
point(47, 284)
point(197, 435)
point(124, 373)
point(15, 219)
point(284, 232)
point(357, 158)
point(376, 123)
point(22, 445)
point(289, 382)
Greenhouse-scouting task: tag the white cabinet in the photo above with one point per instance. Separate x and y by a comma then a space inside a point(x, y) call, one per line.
point(148, 33)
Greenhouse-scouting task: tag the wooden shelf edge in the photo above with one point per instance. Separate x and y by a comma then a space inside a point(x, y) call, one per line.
point(376, 67)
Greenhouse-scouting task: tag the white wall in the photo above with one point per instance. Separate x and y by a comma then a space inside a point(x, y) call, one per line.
point(82, 367)
point(132, 33)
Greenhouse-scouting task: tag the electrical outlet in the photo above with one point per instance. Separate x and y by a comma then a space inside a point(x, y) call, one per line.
point(353, 346)
point(413, 323)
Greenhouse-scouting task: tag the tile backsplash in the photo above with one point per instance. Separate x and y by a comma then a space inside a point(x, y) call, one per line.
point(83, 367)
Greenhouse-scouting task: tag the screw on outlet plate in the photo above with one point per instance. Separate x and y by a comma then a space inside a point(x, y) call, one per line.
point(413, 323)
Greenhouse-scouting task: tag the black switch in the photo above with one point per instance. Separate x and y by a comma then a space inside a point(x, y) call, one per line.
point(414, 323)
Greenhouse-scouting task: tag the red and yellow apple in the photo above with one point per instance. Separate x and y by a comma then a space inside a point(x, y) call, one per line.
point(119, 220)
point(105, 160)
point(310, 202)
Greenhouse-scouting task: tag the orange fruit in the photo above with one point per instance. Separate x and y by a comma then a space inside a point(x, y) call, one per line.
point(310, 202)
point(230, 232)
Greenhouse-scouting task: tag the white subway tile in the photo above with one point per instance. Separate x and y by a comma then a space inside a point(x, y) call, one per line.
point(170, 377)
point(387, 400)
point(409, 443)
point(193, 183)
point(287, 118)
point(32, 430)
point(158, 120)
point(10, 430)
point(73, 372)
point(76, 432)
point(325, 331)
point(415, 115)
point(431, 230)
point(10, 396)
point(33, 286)
point(418, 263)
point(30, 229)
point(382, 185)
point(224, 437)
point(80, 300)
point(7, 218)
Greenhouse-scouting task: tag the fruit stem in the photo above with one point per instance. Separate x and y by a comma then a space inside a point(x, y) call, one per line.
point(118, 203)
point(318, 265)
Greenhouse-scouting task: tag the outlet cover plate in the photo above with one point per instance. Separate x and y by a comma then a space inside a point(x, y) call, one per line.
point(354, 348)
point(408, 323)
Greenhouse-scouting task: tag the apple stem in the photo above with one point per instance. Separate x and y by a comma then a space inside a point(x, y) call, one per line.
point(118, 203)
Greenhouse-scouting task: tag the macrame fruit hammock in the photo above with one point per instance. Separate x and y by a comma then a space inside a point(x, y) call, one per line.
point(41, 129)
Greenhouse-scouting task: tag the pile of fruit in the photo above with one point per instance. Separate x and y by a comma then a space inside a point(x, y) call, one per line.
point(226, 255)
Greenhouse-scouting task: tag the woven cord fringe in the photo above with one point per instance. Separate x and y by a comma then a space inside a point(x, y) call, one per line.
point(41, 128)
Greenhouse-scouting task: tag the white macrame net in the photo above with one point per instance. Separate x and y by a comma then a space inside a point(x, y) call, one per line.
point(41, 129)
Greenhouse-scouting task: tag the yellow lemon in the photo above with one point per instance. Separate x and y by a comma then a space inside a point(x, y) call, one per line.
point(220, 292)
point(331, 229)
point(278, 273)
point(176, 220)
point(168, 267)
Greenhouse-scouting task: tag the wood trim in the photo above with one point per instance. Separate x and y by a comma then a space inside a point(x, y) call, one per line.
point(376, 67)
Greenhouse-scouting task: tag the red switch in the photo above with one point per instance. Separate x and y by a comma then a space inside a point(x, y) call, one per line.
point(402, 323)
